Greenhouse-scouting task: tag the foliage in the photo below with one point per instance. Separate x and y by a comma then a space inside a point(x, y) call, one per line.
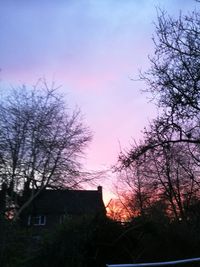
point(89, 241)
point(15, 244)
point(82, 241)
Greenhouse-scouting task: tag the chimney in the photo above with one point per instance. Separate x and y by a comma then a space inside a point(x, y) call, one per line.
point(99, 189)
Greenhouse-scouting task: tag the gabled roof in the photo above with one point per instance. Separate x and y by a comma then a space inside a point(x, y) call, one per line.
point(73, 202)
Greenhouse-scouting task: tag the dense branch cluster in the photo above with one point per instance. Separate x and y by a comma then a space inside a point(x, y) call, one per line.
point(174, 75)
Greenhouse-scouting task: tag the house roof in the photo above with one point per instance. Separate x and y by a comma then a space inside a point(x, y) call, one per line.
point(67, 201)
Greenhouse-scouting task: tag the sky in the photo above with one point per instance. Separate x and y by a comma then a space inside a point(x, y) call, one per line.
point(94, 49)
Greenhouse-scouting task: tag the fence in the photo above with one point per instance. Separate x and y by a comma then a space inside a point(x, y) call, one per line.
point(166, 263)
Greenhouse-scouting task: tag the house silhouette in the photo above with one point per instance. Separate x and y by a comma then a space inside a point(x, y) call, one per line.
point(52, 207)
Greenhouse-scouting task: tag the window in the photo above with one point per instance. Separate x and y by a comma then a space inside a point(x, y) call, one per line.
point(37, 220)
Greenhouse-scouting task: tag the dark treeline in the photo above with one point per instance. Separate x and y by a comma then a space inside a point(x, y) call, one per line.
point(86, 241)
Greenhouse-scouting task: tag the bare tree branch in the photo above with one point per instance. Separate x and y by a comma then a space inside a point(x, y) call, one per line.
point(41, 142)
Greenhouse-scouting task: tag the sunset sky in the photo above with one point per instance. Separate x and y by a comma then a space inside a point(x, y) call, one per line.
point(93, 48)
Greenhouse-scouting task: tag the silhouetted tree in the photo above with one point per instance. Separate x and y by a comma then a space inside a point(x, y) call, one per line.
point(41, 141)
point(174, 81)
point(167, 159)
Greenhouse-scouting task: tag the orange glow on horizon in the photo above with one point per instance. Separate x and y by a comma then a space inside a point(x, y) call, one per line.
point(117, 211)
